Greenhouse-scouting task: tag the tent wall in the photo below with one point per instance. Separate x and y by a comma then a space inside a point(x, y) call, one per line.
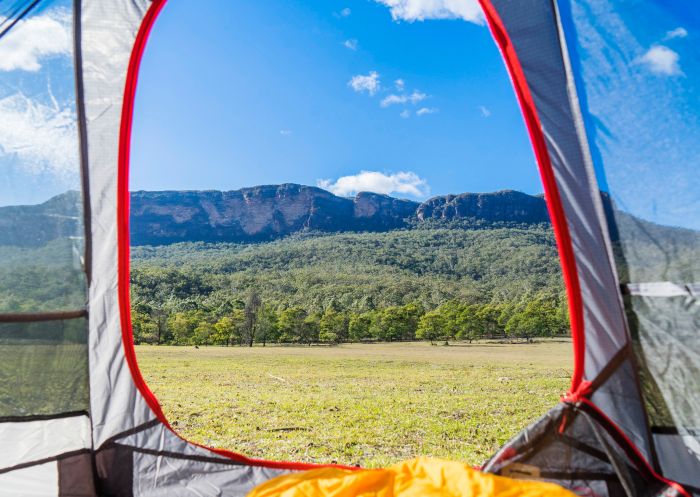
point(547, 76)
point(537, 56)
point(643, 120)
point(108, 435)
point(107, 32)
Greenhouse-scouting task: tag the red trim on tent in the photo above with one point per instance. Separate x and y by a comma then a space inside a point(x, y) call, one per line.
point(554, 203)
point(124, 249)
point(634, 448)
point(123, 206)
point(580, 389)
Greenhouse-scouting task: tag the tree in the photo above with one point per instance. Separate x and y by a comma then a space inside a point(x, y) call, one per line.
point(431, 327)
point(469, 326)
point(252, 307)
point(488, 317)
point(143, 328)
point(267, 329)
point(450, 311)
point(540, 317)
point(359, 326)
point(411, 314)
point(291, 323)
point(227, 330)
point(182, 325)
point(311, 328)
point(203, 333)
point(394, 323)
point(333, 326)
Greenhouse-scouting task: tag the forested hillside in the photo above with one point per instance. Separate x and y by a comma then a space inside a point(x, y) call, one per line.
point(435, 282)
point(306, 266)
point(297, 264)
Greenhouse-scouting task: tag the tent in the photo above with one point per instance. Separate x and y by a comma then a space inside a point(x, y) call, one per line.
point(608, 90)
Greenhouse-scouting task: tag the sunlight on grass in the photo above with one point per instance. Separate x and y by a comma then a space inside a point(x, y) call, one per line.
point(366, 404)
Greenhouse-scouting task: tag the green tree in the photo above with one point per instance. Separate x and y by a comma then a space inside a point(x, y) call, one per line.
point(540, 317)
point(469, 325)
point(333, 326)
point(311, 328)
point(393, 324)
point(359, 326)
point(203, 333)
point(291, 324)
point(488, 317)
point(227, 330)
point(267, 329)
point(431, 326)
point(143, 328)
point(181, 325)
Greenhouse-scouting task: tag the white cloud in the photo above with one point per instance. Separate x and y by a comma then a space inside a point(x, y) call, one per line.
point(421, 10)
point(679, 32)
point(425, 110)
point(285, 132)
point(417, 96)
point(343, 13)
point(42, 137)
point(393, 99)
point(369, 83)
point(33, 39)
point(405, 114)
point(484, 111)
point(414, 98)
point(403, 183)
point(350, 44)
point(661, 60)
point(399, 84)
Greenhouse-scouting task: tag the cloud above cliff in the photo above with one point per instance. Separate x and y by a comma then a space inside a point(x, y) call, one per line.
point(400, 183)
point(421, 10)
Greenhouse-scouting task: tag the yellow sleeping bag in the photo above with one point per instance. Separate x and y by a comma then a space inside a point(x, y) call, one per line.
point(422, 477)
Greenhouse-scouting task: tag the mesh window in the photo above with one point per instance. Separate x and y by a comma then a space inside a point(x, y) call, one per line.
point(41, 232)
point(638, 73)
point(43, 367)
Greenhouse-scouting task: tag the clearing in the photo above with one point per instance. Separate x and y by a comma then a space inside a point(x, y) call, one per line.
point(366, 404)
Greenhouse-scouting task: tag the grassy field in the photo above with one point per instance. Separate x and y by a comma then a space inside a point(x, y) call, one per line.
point(366, 404)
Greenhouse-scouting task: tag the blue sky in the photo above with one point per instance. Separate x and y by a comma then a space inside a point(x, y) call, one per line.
point(408, 97)
point(644, 123)
point(38, 138)
point(239, 93)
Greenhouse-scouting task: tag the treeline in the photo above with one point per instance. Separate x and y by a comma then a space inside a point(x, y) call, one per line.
point(436, 284)
point(254, 321)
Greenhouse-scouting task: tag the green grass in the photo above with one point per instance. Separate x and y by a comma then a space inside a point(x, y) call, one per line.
point(366, 404)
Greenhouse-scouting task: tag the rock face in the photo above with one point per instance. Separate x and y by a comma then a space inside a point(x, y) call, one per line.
point(259, 213)
point(35, 225)
point(505, 206)
point(263, 213)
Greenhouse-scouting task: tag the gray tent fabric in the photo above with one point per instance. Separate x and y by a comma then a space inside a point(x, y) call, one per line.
point(535, 35)
point(626, 428)
point(610, 389)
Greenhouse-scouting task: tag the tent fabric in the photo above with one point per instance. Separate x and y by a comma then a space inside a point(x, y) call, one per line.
point(643, 126)
point(108, 31)
point(421, 477)
point(81, 421)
